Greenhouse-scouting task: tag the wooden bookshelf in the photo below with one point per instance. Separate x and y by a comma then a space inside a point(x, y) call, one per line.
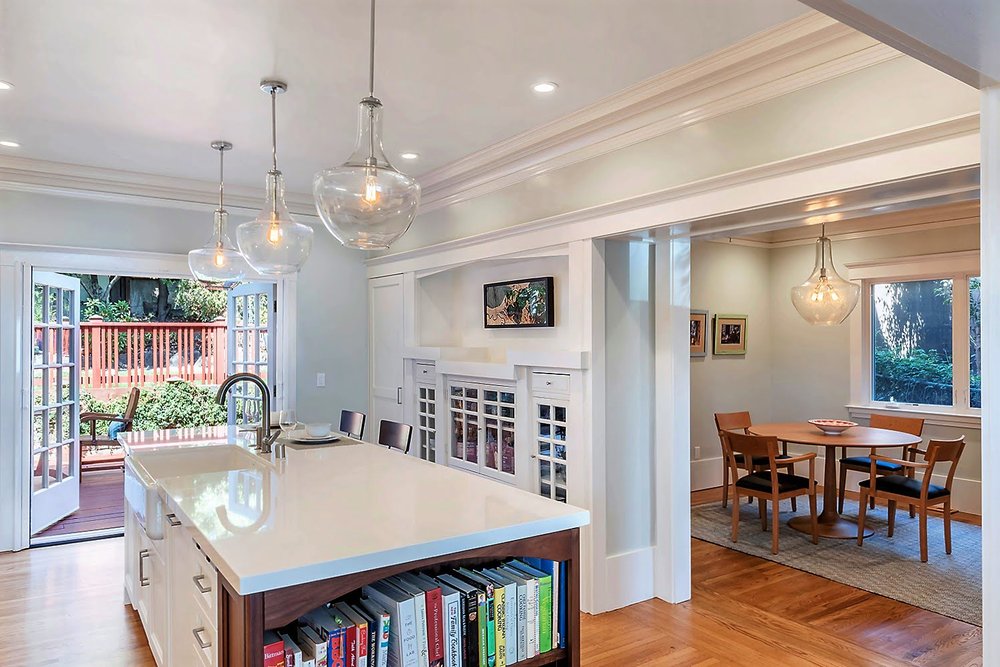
point(244, 618)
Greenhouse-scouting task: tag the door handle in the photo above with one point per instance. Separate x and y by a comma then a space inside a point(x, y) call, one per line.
point(399, 395)
point(143, 579)
point(173, 520)
point(201, 588)
point(197, 637)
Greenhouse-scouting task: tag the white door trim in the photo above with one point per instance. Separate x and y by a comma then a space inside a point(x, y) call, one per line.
point(17, 261)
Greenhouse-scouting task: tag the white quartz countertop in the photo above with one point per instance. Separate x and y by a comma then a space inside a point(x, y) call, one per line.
point(330, 511)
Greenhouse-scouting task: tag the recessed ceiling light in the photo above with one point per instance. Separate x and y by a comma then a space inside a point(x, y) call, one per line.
point(9, 144)
point(5, 85)
point(409, 155)
point(544, 87)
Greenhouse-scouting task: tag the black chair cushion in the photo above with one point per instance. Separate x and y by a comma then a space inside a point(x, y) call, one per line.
point(762, 460)
point(904, 486)
point(761, 481)
point(865, 463)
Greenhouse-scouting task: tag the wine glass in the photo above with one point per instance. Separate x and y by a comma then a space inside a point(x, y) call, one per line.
point(286, 421)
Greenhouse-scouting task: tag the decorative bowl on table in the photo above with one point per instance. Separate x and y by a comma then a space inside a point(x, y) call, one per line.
point(832, 426)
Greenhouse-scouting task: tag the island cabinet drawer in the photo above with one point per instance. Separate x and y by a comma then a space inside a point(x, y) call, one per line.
point(203, 640)
point(202, 580)
point(542, 383)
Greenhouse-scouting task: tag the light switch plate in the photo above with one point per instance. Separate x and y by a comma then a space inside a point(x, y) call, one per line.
point(320, 379)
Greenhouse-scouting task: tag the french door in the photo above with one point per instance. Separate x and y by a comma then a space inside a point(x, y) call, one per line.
point(252, 316)
point(55, 399)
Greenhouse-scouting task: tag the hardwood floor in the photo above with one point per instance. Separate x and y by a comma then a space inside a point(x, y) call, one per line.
point(64, 605)
point(102, 505)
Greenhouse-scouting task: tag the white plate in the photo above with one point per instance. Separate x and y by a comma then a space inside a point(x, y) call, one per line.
point(301, 436)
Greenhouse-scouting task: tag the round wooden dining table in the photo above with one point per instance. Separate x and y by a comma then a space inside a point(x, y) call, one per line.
point(831, 524)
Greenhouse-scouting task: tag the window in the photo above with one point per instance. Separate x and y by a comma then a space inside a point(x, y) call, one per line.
point(917, 345)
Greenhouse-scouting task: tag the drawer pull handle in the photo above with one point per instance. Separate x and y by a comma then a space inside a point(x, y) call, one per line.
point(201, 588)
point(143, 579)
point(197, 637)
point(173, 520)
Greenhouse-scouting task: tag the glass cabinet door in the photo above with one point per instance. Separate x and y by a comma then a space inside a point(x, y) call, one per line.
point(498, 421)
point(550, 435)
point(464, 407)
point(426, 421)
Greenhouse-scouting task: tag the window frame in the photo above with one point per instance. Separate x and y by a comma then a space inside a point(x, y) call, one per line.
point(958, 267)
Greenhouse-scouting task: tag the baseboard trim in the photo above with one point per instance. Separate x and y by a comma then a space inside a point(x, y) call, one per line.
point(629, 579)
point(706, 473)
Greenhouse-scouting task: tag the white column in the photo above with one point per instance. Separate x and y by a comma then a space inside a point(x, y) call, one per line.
point(672, 405)
point(990, 262)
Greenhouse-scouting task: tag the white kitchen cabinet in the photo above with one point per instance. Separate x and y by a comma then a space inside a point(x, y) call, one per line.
point(482, 433)
point(193, 598)
point(551, 427)
point(426, 421)
point(150, 594)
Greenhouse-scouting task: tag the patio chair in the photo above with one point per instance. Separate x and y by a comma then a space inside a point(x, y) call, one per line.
point(115, 458)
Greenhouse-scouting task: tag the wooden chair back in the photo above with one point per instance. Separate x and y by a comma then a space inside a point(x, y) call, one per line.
point(352, 423)
point(395, 435)
point(942, 451)
point(732, 421)
point(911, 425)
point(130, 407)
point(750, 446)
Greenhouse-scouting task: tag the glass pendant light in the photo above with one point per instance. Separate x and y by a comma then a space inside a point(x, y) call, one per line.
point(218, 261)
point(366, 202)
point(274, 243)
point(825, 298)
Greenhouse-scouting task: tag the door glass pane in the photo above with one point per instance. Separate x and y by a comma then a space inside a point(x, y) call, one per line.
point(491, 444)
point(507, 450)
point(457, 437)
point(544, 448)
point(975, 349)
point(544, 411)
point(911, 341)
point(472, 442)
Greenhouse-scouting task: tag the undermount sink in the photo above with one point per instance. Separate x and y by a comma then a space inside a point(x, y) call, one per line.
point(144, 469)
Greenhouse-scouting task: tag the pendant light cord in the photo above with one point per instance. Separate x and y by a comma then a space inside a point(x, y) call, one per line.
point(222, 186)
point(371, 55)
point(822, 254)
point(274, 131)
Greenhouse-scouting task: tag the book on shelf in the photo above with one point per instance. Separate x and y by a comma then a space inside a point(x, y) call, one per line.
point(451, 602)
point(509, 587)
point(517, 614)
point(552, 568)
point(322, 622)
point(487, 616)
point(544, 603)
point(293, 654)
point(274, 649)
point(312, 645)
point(383, 624)
point(470, 616)
point(420, 609)
point(402, 622)
point(435, 618)
point(563, 602)
point(357, 634)
point(373, 625)
point(531, 625)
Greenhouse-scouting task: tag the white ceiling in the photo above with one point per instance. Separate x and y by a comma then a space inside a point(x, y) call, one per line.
point(145, 86)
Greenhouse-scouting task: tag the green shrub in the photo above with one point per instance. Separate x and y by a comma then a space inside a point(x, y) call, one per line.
point(176, 404)
point(923, 376)
point(198, 303)
point(115, 311)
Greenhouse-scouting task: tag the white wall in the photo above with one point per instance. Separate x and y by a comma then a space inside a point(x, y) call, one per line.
point(332, 287)
point(729, 279)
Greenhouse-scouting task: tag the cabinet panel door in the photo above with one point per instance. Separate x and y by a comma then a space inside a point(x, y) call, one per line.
point(551, 419)
point(385, 304)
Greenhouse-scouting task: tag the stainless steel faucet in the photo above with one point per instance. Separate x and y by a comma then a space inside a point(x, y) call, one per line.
point(263, 432)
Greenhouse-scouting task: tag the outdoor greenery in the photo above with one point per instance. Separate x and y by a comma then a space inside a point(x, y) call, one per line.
point(114, 311)
point(922, 377)
point(176, 404)
point(198, 303)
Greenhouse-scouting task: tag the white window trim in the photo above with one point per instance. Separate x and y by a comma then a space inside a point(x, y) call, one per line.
point(958, 266)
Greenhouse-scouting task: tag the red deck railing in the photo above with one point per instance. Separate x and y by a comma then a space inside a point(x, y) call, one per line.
point(133, 354)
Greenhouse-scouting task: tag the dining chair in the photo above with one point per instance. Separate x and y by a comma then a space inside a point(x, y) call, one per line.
point(395, 435)
point(115, 458)
point(740, 421)
point(908, 489)
point(352, 424)
point(767, 485)
point(911, 425)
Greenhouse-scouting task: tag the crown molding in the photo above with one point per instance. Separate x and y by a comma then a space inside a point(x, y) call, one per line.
point(81, 181)
point(794, 55)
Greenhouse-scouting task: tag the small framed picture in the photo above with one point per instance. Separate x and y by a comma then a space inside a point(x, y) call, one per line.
point(730, 334)
point(519, 304)
point(699, 333)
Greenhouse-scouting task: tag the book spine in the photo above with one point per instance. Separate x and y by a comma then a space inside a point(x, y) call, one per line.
point(420, 608)
point(435, 628)
point(491, 627)
point(274, 654)
point(351, 645)
point(533, 623)
point(545, 614)
point(472, 630)
point(510, 612)
point(453, 652)
point(500, 624)
point(338, 648)
point(483, 630)
point(522, 622)
point(363, 639)
point(383, 641)
point(563, 586)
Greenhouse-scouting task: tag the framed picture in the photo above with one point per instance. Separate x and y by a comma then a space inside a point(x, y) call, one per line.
point(519, 304)
point(730, 334)
point(699, 333)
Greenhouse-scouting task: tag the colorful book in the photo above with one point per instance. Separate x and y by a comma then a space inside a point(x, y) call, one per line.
point(531, 624)
point(551, 568)
point(322, 622)
point(274, 649)
point(435, 618)
point(451, 602)
point(373, 624)
point(519, 633)
point(293, 654)
point(311, 645)
point(420, 608)
point(358, 639)
point(383, 625)
point(489, 609)
point(544, 603)
point(562, 600)
point(470, 617)
point(510, 614)
point(403, 622)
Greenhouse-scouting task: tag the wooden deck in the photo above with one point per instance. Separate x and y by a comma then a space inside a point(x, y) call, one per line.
point(102, 504)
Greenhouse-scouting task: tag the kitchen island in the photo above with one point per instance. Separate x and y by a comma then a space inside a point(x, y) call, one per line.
point(279, 537)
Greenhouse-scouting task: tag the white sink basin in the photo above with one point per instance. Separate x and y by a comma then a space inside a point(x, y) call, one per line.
point(144, 469)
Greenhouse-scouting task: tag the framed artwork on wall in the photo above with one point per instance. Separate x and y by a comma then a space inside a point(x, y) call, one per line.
point(699, 332)
point(519, 304)
point(730, 334)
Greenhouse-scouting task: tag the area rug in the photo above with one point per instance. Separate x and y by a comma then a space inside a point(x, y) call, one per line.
point(949, 585)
